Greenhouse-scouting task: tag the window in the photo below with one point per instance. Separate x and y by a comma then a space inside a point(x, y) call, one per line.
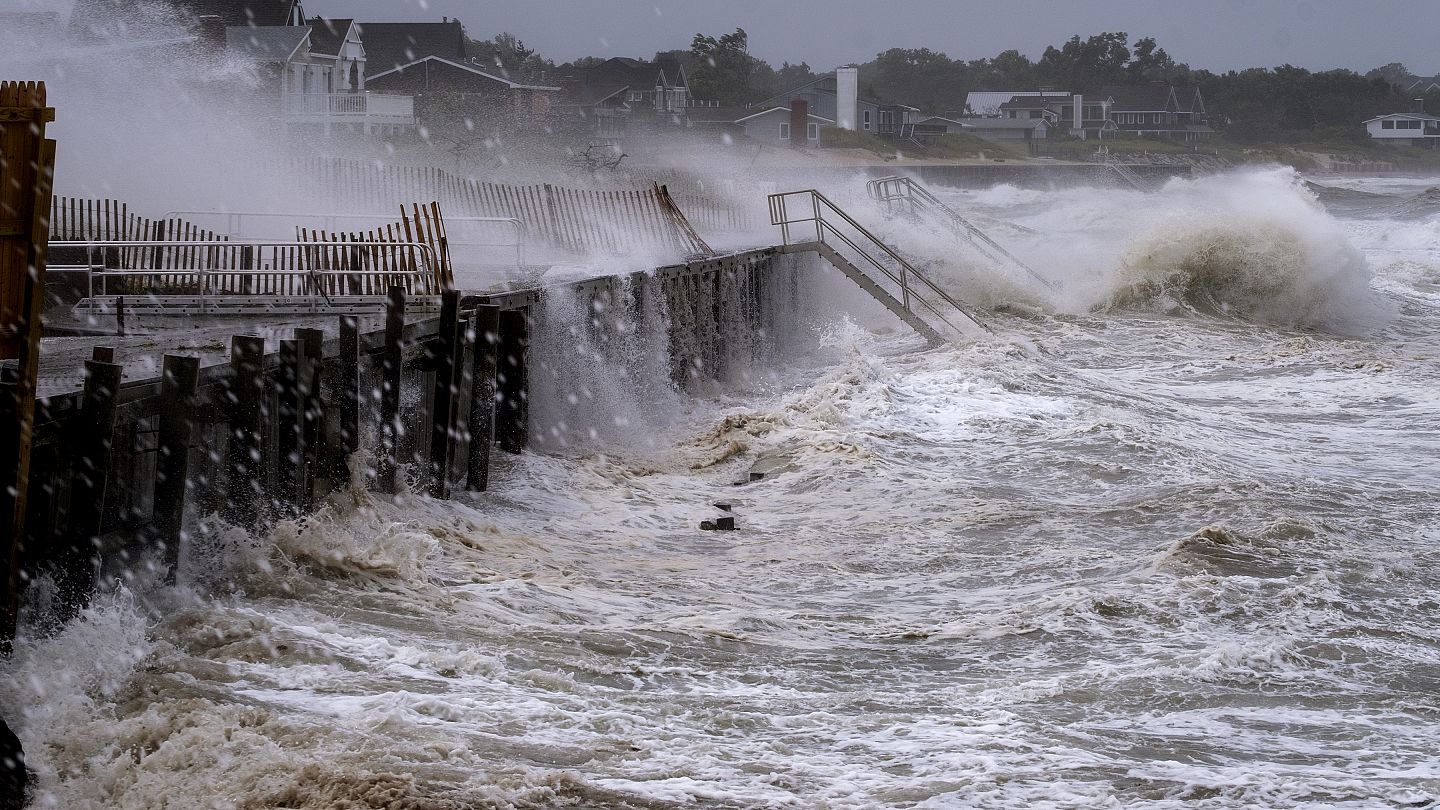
point(1387, 124)
point(1411, 124)
point(867, 120)
point(784, 131)
point(812, 132)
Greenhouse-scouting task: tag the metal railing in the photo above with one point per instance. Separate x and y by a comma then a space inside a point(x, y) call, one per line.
point(913, 285)
point(460, 232)
point(915, 198)
point(307, 275)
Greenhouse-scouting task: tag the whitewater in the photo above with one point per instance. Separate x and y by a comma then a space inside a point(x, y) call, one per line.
point(1167, 538)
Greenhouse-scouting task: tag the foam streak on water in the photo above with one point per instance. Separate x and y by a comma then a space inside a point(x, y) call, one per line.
point(1135, 551)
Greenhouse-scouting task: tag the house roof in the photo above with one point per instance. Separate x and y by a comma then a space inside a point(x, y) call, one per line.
point(717, 115)
point(1009, 123)
point(823, 84)
point(1142, 98)
point(784, 110)
point(270, 43)
point(1410, 116)
point(328, 36)
point(1189, 98)
point(969, 124)
point(987, 102)
point(623, 72)
point(1037, 102)
point(513, 85)
point(389, 45)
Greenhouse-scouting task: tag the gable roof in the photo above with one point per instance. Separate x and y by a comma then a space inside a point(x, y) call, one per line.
point(389, 45)
point(822, 85)
point(328, 36)
point(784, 110)
point(962, 124)
point(270, 43)
point(987, 102)
point(636, 73)
point(399, 69)
point(1142, 98)
point(1410, 116)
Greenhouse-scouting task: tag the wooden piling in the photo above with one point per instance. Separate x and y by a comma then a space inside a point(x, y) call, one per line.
point(172, 464)
point(442, 422)
point(75, 568)
point(512, 420)
point(312, 343)
point(390, 369)
point(290, 437)
point(482, 395)
point(245, 484)
point(349, 385)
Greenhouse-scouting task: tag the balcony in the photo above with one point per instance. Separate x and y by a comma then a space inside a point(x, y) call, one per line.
point(371, 109)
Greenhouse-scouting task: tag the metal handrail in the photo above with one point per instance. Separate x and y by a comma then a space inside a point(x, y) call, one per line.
point(425, 269)
point(779, 216)
point(234, 225)
point(889, 190)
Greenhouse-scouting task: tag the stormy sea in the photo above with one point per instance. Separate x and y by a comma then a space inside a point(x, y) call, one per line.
point(1166, 538)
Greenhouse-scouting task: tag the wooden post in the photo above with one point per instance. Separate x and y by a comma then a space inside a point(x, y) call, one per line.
point(312, 342)
point(349, 393)
point(482, 395)
point(442, 422)
point(94, 433)
point(512, 422)
point(27, 171)
point(247, 388)
point(172, 464)
point(290, 447)
point(390, 392)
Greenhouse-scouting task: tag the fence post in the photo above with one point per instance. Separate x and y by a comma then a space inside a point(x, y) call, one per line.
point(390, 392)
point(442, 422)
point(349, 394)
point(482, 395)
point(312, 342)
point(27, 171)
point(512, 422)
point(246, 394)
point(290, 445)
point(172, 464)
point(94, 435)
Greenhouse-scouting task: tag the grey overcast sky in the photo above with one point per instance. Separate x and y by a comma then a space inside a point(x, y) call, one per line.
point(1214, 34)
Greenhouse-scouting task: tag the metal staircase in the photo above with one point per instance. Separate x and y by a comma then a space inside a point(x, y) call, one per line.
point(825, 229)
point(908, 196)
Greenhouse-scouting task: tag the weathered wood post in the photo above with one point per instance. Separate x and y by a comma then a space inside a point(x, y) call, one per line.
point(75, 569)
point(390, 368)
point(172, 464)
point(290, 438)
point(312, 342)
point(442, 422)
point(27, 171)
point(349, 393)
point(512, 421)
point(486, 322)
point(245, 484)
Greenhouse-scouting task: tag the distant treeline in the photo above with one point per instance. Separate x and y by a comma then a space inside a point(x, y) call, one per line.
point(1284, 103)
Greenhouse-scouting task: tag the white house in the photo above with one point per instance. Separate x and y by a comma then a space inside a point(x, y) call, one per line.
point(318, 72)
point(1410, 129)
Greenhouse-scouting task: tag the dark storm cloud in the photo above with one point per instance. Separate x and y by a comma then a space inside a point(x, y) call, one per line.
point(1214, 34)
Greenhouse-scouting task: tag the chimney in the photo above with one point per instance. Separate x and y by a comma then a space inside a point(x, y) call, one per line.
point(799, 121)
point(1079, 129)
point(212, 33)
point(847, 97)
point(1417, 105)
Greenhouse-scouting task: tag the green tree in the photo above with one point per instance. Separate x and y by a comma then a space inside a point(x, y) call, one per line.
point(721, 68)
point(1083, 64)
point(508, 55)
